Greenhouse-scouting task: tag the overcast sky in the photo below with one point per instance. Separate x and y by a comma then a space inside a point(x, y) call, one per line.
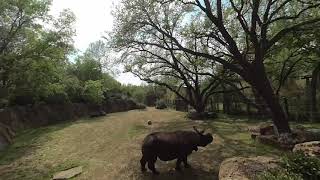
point(93, 20)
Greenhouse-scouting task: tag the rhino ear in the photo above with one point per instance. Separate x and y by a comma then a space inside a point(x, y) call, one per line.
point(196, 130)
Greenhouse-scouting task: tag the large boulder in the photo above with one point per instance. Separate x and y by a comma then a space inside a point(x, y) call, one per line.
point(193, 115)
point(265, 129)
point(309, 148)
point(265, 133)
point(241, 168)
point(97, 113)
point(306, 135)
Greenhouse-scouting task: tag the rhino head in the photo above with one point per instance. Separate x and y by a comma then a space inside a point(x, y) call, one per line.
point(205, 139)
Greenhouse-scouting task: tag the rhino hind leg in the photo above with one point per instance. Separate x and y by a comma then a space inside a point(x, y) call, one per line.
point(183, 159)
point(187, 165)
point(178, 163)
point(151, 166)
point(143, 163)
point(185, 162)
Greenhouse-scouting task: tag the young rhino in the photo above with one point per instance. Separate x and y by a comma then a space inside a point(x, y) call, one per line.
point(172, 145)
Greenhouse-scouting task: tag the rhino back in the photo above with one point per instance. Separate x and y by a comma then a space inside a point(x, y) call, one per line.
point(169, 145)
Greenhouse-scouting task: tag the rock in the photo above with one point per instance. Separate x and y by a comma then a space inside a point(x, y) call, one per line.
point(305, 135)
point(268, 139)
point(286, 139)
point(212, 115)
point(266, 129)
point(241, 168)
point(161, 106)
point(309, 148)
point(193, 115)
point(67, 174)
point(262, 129)
point(98, 114)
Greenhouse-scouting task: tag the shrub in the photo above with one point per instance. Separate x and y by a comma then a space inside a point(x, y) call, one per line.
point(73, 88)
point(161, 104)
point(295, 166)
point(56, 94)
point(93, 92)
point(141, 106)
point(279, 174)
point(299, 163)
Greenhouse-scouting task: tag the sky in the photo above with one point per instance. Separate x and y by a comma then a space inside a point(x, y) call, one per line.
point(93, 20)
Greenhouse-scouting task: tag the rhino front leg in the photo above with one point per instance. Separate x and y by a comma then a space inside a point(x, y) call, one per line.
point(185, 162)
point(151, 166)
point(178, 168)
point(143, 162)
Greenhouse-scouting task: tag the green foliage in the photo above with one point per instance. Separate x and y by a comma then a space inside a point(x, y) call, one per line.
point(138, 93)
point(56, 94)
point(33, 51)
point(295, 166)
point(73, 88)
point(110, 84)
point(308, 167)
point(279, 175)
point(93, 92)
point(86, 69)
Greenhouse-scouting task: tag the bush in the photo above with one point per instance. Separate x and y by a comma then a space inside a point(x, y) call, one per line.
point(299, 163)
point(279, 175)
point(73, 89)
point(141, 106)
point(93, 92)
point(56, 94)
point(296, 166)
point(161, 104)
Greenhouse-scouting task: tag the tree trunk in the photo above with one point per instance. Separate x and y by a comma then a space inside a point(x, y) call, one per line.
point(226, 101)
point(261, 106)
point(286, 107)
point(261, 83)
point(200, 106)
point(314, 82)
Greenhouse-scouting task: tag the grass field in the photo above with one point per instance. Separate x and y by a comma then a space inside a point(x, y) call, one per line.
point(109, 147)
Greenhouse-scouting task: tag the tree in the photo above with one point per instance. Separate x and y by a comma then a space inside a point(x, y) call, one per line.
point(20, 21)
point(296, 56)
point(180, 73)
point(93, 92)
point(238, 34)
point(34, 50)
point(86, 68)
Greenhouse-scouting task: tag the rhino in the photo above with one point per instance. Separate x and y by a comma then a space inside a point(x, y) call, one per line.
point(168, 146)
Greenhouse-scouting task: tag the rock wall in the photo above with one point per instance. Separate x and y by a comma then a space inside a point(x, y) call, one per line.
point(18, 118)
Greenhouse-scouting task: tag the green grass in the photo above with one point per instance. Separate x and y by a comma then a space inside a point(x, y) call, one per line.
point(109, 147)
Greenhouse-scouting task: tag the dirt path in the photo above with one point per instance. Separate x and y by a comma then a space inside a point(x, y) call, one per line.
point(109, 148)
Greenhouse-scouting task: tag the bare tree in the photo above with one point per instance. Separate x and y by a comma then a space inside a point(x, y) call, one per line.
point(239, 34)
